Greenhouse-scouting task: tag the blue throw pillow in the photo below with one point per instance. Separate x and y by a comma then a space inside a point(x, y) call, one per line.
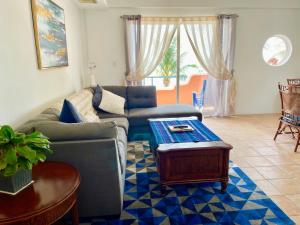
point(69, 113)
point(97, 97)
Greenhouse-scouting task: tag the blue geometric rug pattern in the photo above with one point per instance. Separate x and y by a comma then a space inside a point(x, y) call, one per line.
point(243, 203)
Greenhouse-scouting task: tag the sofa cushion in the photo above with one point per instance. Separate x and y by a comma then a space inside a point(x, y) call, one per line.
point(112, 103)
point(82, 100)
point(52, 111)
point(105, 115)
point(141, 97)
point(28, 127)
point(139, 117)
point(120, 121)
point(69, 114)
point(118, 90)
point(58, 131)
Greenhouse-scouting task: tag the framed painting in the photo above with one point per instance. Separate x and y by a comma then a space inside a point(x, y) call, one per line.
point(50, 34)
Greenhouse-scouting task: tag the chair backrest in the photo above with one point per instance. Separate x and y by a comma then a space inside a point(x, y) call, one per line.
point(202, 94)
point(290, 99)
point(293, 81)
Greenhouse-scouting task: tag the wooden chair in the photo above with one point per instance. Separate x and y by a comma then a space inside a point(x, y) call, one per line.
point(290, 111)
point(293, 81)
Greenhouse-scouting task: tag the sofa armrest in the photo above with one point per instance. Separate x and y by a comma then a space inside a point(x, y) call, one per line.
point(101, 180)
point(58, 131)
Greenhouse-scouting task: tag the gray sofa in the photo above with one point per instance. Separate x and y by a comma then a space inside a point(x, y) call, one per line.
point(141, 104)
point(97, 147)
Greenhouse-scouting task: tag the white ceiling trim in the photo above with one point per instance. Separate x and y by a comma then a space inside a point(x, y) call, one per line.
point(263, 4)
point(204, 3)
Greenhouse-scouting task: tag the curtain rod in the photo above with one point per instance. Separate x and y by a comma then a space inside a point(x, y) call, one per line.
point(228, 15)
point(130, 16)
point(221, 15)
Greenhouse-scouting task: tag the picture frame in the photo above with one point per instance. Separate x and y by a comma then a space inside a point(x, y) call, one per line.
point(49, 34)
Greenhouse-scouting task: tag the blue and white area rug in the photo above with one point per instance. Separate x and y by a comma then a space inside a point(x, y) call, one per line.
point(243, 203)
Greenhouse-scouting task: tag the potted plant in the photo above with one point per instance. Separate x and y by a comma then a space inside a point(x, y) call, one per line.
point(18, 153)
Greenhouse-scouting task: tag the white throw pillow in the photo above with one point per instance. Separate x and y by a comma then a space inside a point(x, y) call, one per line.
point(112, 103)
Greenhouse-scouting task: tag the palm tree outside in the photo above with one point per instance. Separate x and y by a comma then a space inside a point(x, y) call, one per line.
point(168, 66)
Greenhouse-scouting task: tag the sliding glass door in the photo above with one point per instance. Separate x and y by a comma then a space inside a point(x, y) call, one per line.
point(164, 77)
point(179, 76)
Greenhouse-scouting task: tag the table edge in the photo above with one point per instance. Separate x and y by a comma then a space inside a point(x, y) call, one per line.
point(43, 210)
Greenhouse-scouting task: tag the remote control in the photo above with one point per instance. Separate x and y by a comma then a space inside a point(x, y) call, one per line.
point(181, 126)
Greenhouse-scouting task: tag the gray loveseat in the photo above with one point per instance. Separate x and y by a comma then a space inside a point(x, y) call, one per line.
point(97, 147)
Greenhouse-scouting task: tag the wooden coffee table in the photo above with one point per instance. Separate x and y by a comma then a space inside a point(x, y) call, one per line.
point(48, 199)
point(191, 162)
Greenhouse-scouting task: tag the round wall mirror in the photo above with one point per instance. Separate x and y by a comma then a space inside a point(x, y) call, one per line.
point(277, 50)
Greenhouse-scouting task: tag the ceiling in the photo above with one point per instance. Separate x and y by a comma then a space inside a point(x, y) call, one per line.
point(191, 3)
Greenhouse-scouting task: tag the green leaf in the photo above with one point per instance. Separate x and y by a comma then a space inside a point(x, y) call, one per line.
point(37, 135)
point(18, 139)
point(43, 151)
point(10, 170)
point(41, 157)
point(40, 147)
point(7, 132)
point(4, 140)
point(24, 163)
point(29, 140)
point(26, 152)
point(3, 164)
point(10, 156)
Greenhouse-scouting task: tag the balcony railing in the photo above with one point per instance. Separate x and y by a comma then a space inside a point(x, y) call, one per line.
point(150, 81)
point(167, 94)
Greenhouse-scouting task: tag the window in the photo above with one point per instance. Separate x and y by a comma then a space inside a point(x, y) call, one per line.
point(170, 88)
point(277, 50)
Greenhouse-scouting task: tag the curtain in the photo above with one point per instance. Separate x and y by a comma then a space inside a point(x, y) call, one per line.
point(204, 36)
point(228, 43)
point(148, 47)
point(211, 43)
point(132, 26)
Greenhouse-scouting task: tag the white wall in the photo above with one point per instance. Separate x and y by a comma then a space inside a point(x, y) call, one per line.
point(257, 82)
point(24, 90)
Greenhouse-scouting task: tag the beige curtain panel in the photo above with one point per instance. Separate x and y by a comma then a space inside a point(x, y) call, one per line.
point(155, 34)
point(132, 26)
point(213, 41)
point(205, 38)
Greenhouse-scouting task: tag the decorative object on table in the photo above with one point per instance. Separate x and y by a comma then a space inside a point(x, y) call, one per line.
point(50, 34)
point(180, 128)
point(290, 111)
point(92, 66)
point(47, 200)
point(18, 153)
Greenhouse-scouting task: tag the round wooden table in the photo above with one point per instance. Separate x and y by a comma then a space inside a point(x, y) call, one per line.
point(49, 198)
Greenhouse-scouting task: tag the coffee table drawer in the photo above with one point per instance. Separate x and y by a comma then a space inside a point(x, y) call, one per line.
point(193, 166)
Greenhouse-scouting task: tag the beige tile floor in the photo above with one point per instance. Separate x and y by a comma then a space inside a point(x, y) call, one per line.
point(273, 166)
